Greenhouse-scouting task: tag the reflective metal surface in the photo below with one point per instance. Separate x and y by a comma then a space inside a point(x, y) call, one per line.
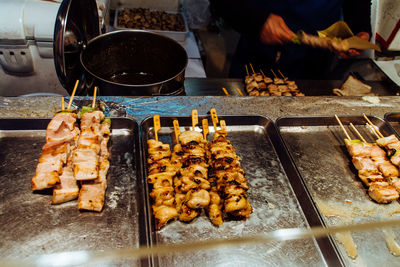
point(135, 62)
point(316, 145)
point(31, 226)
point(274, 204)
point(76, 23)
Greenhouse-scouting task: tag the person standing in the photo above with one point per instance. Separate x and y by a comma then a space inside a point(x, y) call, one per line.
point(267, 28)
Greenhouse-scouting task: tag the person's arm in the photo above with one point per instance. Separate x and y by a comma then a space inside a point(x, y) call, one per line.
point(254, 19)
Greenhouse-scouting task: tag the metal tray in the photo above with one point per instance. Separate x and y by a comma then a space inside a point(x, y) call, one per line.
point(317, 148)
point(275, 205)
point(31, 226)
point(394, 121)
point(176, 35)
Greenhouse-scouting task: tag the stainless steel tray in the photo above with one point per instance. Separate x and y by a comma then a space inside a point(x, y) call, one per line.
point(30, 225)
point(317, 148)
point(179, 36)
point(275, 205)
point(394, 121)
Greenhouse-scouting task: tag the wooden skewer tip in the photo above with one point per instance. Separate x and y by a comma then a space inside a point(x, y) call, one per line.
point(358, 133)
point(341, 125)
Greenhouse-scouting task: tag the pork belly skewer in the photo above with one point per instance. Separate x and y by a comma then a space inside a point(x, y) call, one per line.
point(160, 175)
point(61, 134)
point(68, 188)
point(372, 167)
point(231, 183)
point(90, 160)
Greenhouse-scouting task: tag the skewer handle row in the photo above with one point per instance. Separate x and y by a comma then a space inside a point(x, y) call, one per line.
point(204, 123)
point(157, 126)
point(214, 118)
point(176, 129)
point(195, 118)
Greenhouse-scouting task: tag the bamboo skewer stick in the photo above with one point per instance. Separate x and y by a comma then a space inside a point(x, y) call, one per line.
point(251, 66)
point(247, 70)
point(239, 91)
point(222, 123)
point(157, 126)
point(176, 130)
point(274, 73)
point(73, 94)
point(358, 133)
point(94, 97)
point(195, 118)
point(204, 123)
point(262, 73)
point(62, 103)
point(225, 91)
point(372, 130)
point(214, 118)
point(341, 125)
point(376, 128)
point(283, 76)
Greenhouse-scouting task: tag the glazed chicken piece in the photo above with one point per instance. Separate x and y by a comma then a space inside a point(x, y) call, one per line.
point(161, 175)
point(228, 177)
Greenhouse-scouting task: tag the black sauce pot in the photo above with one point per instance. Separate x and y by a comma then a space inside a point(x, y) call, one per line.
point(134, 62)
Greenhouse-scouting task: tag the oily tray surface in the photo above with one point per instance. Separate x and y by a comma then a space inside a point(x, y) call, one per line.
point(319, 152)
point(30, 225)
point(270, 194)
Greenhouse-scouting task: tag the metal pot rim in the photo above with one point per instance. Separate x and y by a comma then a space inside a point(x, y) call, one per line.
point(135, 31)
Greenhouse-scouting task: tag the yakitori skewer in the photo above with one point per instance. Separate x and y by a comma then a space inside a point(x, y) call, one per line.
point(94, 97)
point(229, 176)
point(157, 126)
point(373, 168)
point(273, 73)
point(358, 133)
point(341, 125)
point(373, 126)
point(225, 91)
point(252, 69)
point(247, 70)
point(176, 129)
point(195, 118)
point(214, 118)
point(239, 91)
point(283, 76)
point(161, 173)
point(62, 103)
point(73, 94)
point(90, 160)
point(204, 123)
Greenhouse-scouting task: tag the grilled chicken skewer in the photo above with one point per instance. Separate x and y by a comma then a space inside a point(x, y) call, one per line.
point(229, 176)
point(160, 175)
point(259, 84)
point(191, 183)
point(373, 167)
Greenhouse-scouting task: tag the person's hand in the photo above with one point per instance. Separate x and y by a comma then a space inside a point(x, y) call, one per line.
point(275, 31)
point(354, 52)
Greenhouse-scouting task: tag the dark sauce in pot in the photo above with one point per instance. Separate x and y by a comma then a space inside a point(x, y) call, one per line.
point(135, 78)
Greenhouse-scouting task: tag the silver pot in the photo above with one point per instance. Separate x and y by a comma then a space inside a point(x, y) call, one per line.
point(135, 62)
